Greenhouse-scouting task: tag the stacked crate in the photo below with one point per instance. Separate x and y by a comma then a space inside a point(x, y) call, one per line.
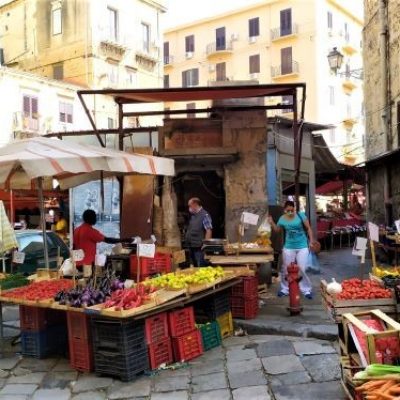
point(119, 347)
point(158, 340)
point(80, 341)
point(244, 299)
point(160, 264)
point(186, 338)
point(43, 331)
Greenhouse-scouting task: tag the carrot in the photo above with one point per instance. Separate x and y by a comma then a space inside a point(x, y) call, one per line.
point(370, 385)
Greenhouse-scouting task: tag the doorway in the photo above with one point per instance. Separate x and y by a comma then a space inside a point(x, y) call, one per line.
point(208, 186)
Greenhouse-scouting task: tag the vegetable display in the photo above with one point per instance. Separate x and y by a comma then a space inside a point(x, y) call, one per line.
point(366, 289)
point(380, 389)
point(13, 281)
point(126, 299)
point(39, 290)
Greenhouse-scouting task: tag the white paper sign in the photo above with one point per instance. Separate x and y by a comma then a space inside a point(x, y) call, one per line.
point(18, 257)
point(373, 231)
point(360, 246)
point(146, 250)
point(397, 223)
point(249, 218)
point(78, 255)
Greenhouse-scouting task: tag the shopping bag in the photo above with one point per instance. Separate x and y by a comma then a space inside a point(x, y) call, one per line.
point(313, 263)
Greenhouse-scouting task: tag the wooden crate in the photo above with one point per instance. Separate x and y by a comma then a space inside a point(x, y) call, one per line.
point(336, 308)
point(368, 355)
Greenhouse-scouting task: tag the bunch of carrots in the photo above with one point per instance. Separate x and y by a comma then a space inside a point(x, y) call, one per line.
point(380, 390)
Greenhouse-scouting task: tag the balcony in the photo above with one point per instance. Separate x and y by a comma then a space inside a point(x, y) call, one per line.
point(287, 33)
point(221, 49)
point(285, 71)
point(220, 82)
point(112, 48)
point(349, 47)
point(168, 61)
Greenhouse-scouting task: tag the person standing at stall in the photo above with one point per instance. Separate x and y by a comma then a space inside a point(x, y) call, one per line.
point(199, 228)
point(297, 237)
point(86, 238)
point(61, 225)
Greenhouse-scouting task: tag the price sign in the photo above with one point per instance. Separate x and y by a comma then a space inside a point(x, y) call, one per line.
point(373, 231)
point(249, 218)
point(18, 257)
point(78, 255)
point(146, 250)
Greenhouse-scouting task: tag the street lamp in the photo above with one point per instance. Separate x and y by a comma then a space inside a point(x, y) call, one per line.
point(335, 59)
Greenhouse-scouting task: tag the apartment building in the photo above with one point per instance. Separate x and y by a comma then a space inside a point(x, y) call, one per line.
point(280, 41)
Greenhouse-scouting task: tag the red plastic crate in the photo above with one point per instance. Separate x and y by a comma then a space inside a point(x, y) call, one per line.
point(78, 325)
point(81, 354)
point(247, 288)
point(160, 353)
point(156, 328)
point(181, 321)
point(244, 307)
point(188, 346)
point(32, 318)
point(160, 264)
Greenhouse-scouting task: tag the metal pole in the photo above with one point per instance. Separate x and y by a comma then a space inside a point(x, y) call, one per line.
point(43, 220)
point(121, 127)
point(296, 149)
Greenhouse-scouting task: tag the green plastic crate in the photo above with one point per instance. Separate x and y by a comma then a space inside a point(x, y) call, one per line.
point(211, 335)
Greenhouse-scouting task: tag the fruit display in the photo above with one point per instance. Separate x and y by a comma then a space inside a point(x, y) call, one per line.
point(39, 290)
point(381, 271)
point(366, 289)
point(183, 279)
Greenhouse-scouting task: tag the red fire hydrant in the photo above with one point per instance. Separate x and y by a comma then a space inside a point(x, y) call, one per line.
point(293, 277)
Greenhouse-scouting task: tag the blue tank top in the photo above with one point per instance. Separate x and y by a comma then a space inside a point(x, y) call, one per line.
point(295, 235)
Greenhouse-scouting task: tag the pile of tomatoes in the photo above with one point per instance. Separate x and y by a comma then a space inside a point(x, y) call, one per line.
point(39, 290)
point(366, 289)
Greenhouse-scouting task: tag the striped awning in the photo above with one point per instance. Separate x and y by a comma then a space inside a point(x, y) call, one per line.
point(70, 163)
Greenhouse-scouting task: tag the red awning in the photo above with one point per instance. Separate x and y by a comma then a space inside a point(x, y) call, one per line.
point(331, 187)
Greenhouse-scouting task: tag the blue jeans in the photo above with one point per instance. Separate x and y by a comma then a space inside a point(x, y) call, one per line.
point(197, 257)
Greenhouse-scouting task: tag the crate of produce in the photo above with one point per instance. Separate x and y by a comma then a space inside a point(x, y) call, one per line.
point(225, 323)
point(211, 335)
point(336, 306)
point(50, 341)
point(188, 346)
point(181, 321)
point(243, 307)
point(371, 337)
point(117, 335)
point(78, 325)
point(248, 287)
point(160, 353)
point(160, 264)
point(156, 328)
point(81, 354)
point(211, 307)
point(124, 366)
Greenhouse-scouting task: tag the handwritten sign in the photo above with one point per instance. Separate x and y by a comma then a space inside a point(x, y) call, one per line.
point(146, 250)
point(78, 255)
point(373, 231)
point(18, 257)
point(249, 218)
point(360, 246)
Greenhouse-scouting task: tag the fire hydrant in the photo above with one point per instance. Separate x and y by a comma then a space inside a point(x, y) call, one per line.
point(293, 278)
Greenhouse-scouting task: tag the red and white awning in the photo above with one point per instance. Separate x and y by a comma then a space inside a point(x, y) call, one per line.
point(70, 163)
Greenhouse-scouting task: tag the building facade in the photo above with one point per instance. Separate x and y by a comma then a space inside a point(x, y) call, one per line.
point(280, 41)
point(382, 108)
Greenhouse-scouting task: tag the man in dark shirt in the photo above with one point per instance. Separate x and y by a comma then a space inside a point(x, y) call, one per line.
point(200, 228)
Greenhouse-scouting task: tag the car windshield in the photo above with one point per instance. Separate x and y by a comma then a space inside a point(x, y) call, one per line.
point(32, 242)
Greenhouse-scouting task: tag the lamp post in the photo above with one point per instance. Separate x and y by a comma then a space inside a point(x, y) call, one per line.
point(335, 60)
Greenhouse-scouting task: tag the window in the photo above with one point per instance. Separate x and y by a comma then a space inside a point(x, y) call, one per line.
point(56, 21)
point(113, 73)
point(190, 77)
point(66, 111)
point(58, 71)
point(191, 106)
point(254, 27)
point(331, 95)
point(287, 100)
point(254, 64)
point(145, 37)
point(286, 22)
point(166, 81)
point(110, 123)
point(332, 135)
point(166, 53)
point(30, 112)
point(220, 69)
point(189, 44)
point(131, 77)
point(112, 24)
point(286, 61)
point(220, 39)
point(330, 20)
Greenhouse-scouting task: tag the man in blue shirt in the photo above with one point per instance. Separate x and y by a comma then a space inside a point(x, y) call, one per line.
point(200, 228)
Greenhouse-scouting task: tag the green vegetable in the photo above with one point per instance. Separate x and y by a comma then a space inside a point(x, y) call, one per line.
point(360, 375)
point(382, 369)
point(13, 281)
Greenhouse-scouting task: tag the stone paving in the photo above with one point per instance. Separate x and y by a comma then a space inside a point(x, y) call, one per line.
point(245, 368)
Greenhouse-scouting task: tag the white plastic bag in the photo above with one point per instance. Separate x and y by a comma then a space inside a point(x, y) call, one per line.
point(67, 268)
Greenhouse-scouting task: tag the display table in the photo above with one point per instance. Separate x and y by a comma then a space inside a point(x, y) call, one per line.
point(241, 259)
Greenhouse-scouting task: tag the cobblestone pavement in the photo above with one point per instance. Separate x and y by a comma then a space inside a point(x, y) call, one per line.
point(249, 367)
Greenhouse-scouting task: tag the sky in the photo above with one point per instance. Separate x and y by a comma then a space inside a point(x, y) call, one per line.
point(183, 11)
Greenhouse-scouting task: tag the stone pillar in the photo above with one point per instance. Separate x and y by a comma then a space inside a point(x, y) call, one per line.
point(171, 233)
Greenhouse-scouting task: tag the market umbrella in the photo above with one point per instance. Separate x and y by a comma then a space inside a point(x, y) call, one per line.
point(8, 241)
point(34, 163)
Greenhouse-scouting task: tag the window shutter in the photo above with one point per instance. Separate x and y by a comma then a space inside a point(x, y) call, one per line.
point(254, 64)
point(286, 22)
point(195, 81)
point(184, 78)
point(69, 113)
point(286, 60)
point(220, 38)
point(26, 106)
point(34, 105)
point(166, 50)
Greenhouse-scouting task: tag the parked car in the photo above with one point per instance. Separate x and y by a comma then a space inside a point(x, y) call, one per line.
point(30, 242)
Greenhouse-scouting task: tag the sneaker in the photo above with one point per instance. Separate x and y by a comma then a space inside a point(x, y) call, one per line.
point(282, 294)
point(308, 296)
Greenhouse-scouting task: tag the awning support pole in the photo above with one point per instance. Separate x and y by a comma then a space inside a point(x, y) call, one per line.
point(43, 222)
